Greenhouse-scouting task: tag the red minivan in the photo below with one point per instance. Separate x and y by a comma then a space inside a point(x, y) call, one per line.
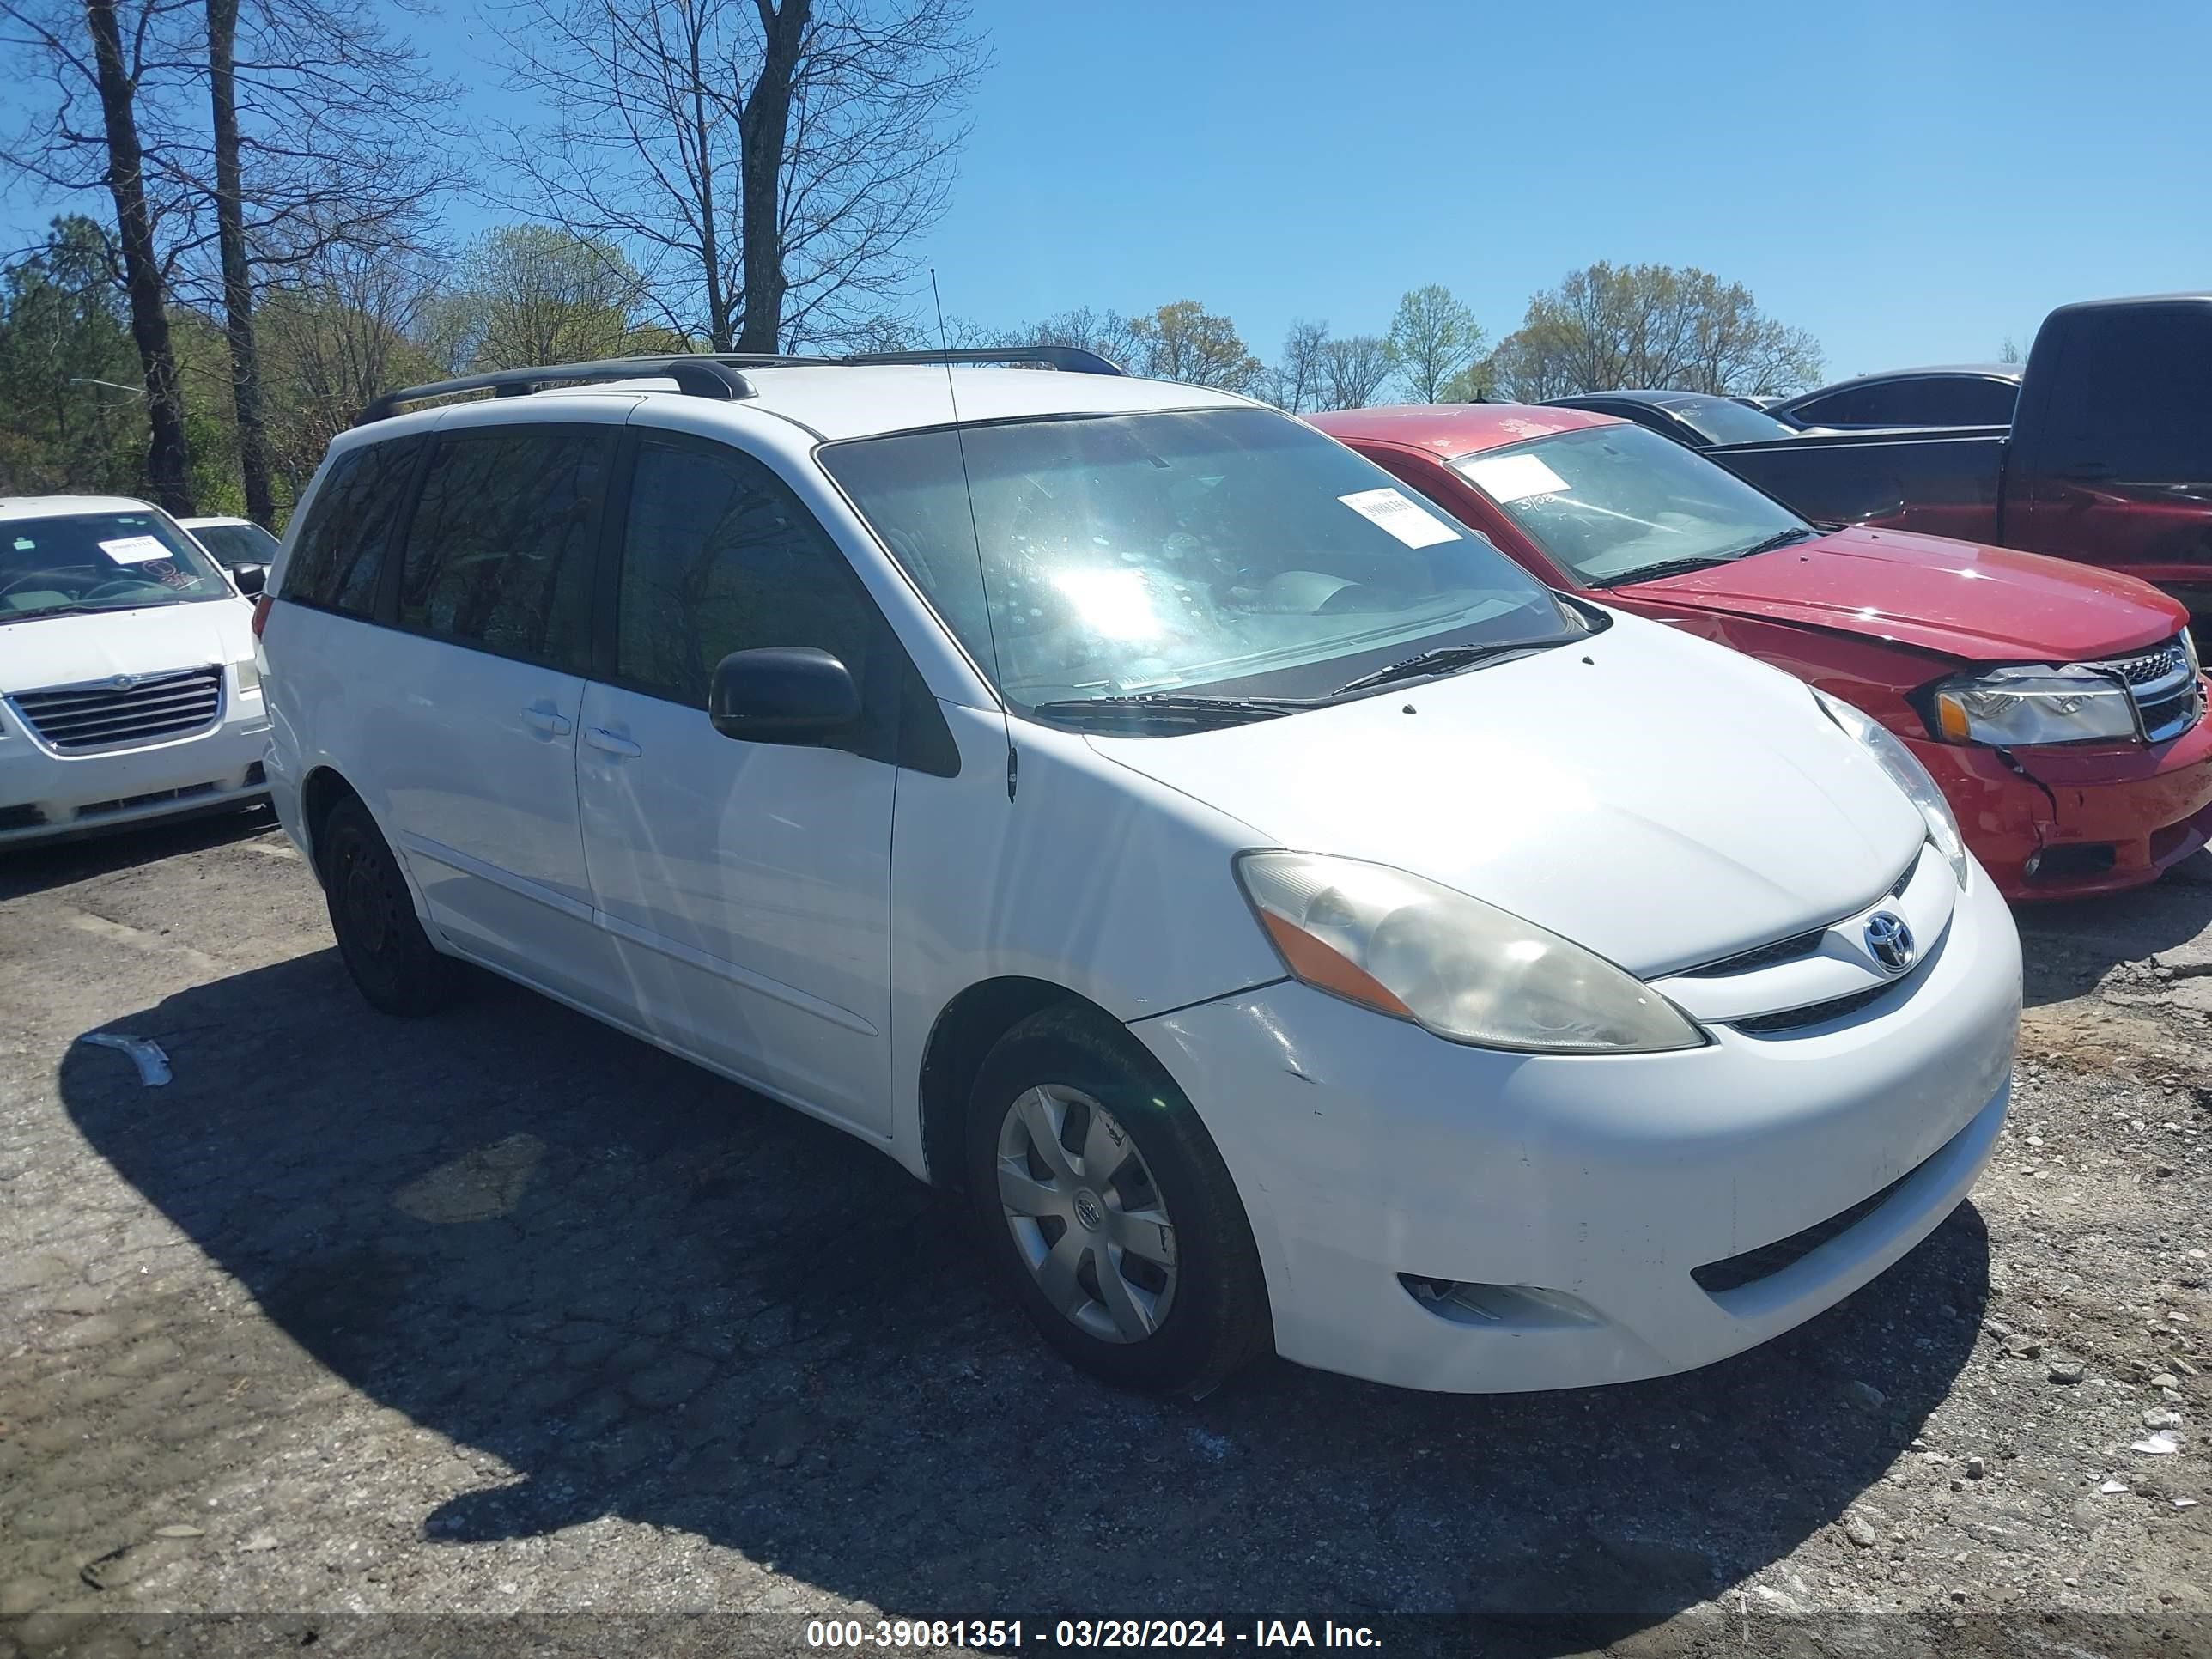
point(2061, 708)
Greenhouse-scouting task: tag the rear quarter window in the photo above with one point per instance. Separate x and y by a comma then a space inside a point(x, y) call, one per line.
point(351, 526)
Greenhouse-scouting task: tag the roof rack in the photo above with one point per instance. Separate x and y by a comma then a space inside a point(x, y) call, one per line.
point(716, 375)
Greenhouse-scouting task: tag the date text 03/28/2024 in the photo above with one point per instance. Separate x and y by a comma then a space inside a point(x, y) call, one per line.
point(854, 1634)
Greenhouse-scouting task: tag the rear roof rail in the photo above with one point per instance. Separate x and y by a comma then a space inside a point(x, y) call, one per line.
point(717, 374)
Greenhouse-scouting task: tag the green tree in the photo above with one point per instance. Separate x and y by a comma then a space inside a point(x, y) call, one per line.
point(1433, 337)
point(1186, 342)
point(72, 403)
point(1611, 326)
point(530, 294)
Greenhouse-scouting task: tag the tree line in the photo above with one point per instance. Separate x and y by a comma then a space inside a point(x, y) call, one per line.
point(254, 198)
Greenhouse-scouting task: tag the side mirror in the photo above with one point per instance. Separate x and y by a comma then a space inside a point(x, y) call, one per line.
point(251, 579)
point(791, 693)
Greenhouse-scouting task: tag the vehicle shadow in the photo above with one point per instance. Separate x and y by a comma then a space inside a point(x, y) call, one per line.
point(39, 865)
point(2071, 947)
point(654, 1296)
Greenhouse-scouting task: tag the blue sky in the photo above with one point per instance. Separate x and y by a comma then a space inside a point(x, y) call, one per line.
point(1911, 183)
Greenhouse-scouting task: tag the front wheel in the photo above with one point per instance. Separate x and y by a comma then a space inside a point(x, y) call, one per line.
point(1108, 1209)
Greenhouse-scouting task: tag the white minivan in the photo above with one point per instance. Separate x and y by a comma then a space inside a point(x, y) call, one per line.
point(127, 682)
point(1291, 924)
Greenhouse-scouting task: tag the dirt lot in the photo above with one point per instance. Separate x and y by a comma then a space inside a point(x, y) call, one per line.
point(508, 1313)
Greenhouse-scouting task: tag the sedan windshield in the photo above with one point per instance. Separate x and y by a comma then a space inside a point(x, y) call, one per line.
point(1724, 421)
point(1613, 503)
point(100, 561)
point(234, 545)
point(1104, 556)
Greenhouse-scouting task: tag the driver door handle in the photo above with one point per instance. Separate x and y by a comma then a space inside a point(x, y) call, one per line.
point(599, 737)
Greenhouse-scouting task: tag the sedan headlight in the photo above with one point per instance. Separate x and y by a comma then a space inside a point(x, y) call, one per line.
point(1408, 947)
point(2009, 707)
point(249, 677)
point(1907, 774)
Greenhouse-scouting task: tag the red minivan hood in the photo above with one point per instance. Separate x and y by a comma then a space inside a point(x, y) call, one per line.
point(1980, 603)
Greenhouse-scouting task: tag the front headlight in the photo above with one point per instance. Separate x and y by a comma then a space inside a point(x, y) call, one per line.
point(1408, 947)
point(249, 677)
point(2009, 707)
point(2188, 650)
point(1907, 774)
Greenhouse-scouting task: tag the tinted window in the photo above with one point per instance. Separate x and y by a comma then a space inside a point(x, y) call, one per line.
point(2133, 394)
point(500, 554)
point(719, 556)
point(1932, 400)
point(340, 549)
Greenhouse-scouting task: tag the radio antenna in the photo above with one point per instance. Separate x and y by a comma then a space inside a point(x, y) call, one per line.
point(976, 533)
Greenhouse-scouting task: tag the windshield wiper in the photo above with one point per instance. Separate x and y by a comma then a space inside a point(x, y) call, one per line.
point(1779, 538)
point(71, 609)
point(1443, 660)
point(1173, 708)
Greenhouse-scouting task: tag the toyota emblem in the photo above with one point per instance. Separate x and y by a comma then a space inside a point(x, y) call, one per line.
point(1889, 941)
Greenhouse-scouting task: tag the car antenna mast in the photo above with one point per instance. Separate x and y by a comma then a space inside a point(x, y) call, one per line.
point(983, 576)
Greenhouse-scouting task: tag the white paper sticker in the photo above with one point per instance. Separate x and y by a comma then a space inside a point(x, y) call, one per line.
point(1409, 522)
point(136, 550)
point(1507, 479)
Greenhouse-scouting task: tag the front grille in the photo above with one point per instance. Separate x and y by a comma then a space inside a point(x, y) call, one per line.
point(1814, 1013)
point(1734, 1272)
point(1764, 955)
point(2167, 695)
point(74, 718)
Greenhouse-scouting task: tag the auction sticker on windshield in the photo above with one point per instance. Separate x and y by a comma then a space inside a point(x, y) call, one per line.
point(1397, 513)
point(136, 550)
point(1507, 478)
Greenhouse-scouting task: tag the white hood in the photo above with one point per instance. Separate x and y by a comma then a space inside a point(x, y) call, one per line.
point(1658, 799)
point(150, 639)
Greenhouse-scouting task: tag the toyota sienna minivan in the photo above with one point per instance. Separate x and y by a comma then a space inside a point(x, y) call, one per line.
point(1290, 923)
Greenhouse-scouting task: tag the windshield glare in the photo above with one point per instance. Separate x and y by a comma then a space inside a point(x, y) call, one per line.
point(100, 561)
point(1224, 549)
point(234, 545)
point(1608, 502)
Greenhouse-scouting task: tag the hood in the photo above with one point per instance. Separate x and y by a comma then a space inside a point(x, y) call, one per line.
point(65, 650)
point(1657, 798)
point(1958, 598)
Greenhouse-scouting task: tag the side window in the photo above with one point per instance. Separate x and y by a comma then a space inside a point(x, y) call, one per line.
point(1962, 400)
point(2134, 397)
point(353, 521)
point(500, 555)
point(720, 556)
point(1860, 406)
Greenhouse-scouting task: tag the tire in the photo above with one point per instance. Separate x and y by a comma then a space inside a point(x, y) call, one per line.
point(373, 914)
point(1179, 1329)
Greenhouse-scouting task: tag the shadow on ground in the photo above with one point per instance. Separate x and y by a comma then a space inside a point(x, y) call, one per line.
point(39, 866)
point(2074, 945)
point(654, 1296)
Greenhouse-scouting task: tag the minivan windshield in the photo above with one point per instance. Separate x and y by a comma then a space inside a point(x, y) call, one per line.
point(100, 561)
point(1615, 503)
point(1233, 550)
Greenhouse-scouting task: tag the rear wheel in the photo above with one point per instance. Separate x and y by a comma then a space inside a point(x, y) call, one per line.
point(373, 914)
point(1108, 1210)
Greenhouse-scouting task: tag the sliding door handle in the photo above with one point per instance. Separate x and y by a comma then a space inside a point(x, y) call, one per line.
point(546, 723)
point(599, 737)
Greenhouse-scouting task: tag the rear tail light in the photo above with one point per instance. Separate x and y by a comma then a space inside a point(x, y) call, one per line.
point(261, 612)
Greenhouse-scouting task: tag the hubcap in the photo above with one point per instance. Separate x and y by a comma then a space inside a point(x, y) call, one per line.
point(1086, 1217)
point(369, 901)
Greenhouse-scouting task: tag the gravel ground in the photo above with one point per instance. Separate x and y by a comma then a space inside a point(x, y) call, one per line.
point(507, 1313)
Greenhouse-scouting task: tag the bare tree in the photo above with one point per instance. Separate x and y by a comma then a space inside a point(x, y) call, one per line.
point(1295, 382)
point(1432, 339)
point(1119, 339)
point(323, 134)
point(107, 53)
point(765, 166)
point(1354, 370)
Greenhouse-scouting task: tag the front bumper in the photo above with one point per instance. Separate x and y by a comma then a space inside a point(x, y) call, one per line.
point(2081, 820)
point(1366, 1149)
point(46, 795)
